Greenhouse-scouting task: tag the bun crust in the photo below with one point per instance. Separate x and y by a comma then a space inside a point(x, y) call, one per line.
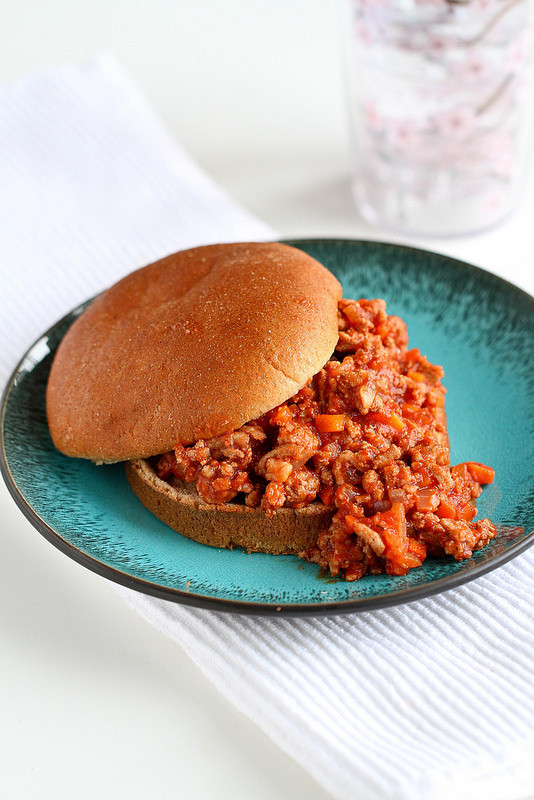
point(190, 347)
point(229, 525)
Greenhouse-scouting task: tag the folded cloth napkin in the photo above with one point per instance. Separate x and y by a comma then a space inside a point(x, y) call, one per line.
point(430, 700)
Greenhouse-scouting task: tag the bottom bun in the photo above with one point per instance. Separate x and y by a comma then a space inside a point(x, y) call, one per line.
point(288, 530)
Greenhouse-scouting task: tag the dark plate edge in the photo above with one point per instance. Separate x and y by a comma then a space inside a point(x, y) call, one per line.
point(408, 247)
point(239, 606)
point(245, 607)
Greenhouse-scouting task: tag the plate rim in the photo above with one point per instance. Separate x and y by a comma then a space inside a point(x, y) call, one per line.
point(260, 608)
point(295, 242)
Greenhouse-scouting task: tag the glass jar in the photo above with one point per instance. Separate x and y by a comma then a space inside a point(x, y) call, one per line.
point(441, 103)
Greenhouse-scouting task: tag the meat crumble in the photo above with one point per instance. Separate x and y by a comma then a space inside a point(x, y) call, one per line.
point(367, 436)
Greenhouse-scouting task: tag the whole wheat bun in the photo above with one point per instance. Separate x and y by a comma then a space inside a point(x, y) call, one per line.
point(228, 525)
point(190, 347)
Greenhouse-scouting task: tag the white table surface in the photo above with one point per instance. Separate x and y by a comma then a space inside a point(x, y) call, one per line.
point(93, 701)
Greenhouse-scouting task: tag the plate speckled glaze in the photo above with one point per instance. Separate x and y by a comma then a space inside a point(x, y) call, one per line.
point(481, 330)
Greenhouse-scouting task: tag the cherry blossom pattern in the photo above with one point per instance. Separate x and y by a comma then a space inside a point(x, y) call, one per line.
point(440, 89)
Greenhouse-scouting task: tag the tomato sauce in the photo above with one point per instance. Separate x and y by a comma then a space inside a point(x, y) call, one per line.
point(367, 436)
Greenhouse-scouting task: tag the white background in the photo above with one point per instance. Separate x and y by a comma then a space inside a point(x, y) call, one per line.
point(93, 701)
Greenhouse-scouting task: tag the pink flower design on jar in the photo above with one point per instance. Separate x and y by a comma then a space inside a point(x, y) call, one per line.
point(438, 46)
point(373, 120)
point(476, 66)
point(363, 32)
point(478, 6)
point(494, 201)
point(444, 91)
point(495, 151)
point(403, 135)
point(517, 52)
point(456, 123)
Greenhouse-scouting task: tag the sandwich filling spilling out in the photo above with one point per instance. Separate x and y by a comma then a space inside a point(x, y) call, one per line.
point(366, 437)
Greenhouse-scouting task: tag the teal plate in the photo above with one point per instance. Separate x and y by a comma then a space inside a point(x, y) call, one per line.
point(480, 329)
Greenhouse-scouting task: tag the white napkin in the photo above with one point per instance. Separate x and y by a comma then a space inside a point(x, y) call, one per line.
point(430, 700)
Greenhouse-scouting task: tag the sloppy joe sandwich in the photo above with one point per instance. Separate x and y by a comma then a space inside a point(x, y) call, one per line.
point(255, 407)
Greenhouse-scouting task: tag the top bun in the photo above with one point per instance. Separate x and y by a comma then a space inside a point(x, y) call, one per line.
point(190, 347)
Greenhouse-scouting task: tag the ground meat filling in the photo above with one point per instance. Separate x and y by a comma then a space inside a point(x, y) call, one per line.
point(366, 436)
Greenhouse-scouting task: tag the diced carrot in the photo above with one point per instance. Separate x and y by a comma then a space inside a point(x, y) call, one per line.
point(425, 477)
point(351, 313)
point(480, 472)
point(382, 331)
point(376, 416)
point(351, 521)
point(412, 560)
point(422, 416)
point(439, 398)
point(467, 512)
point(401, 553)
point(415, 376)
point(327, 495)
point(446, 510)
point(394, 568)
point(392, 525)
point(394, 518)
point(280, 415)
point(418, 549)
point(460, 471)
point(427, 499)
point(330, 423)
point(391, 419)
point(396, 422)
